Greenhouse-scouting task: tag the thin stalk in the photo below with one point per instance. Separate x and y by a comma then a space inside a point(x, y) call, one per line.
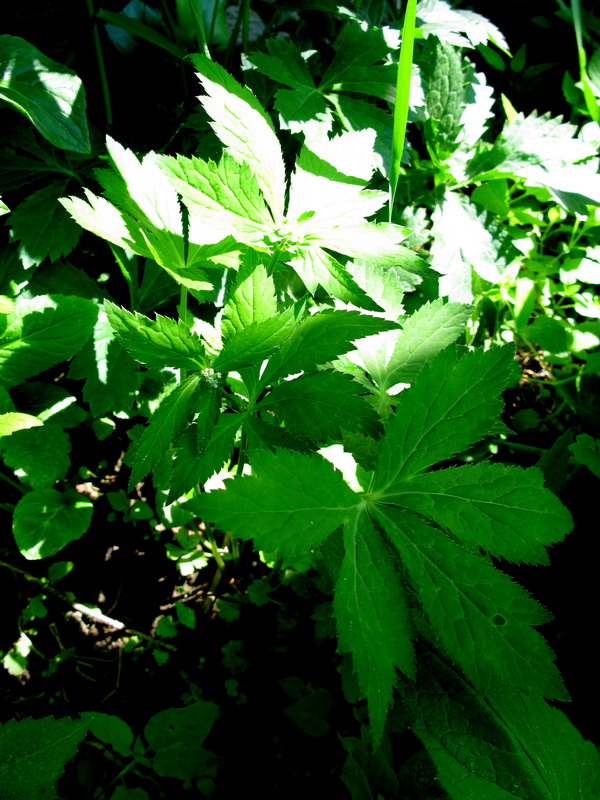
point(183, 299)
point(517, 446)
point(213, 20)
point(214, 549)
point(12, 483)
point(131, 286)
point(245, 24)
point(588, 95)
point(200, 30)
point(101, 67)
point(402, 96)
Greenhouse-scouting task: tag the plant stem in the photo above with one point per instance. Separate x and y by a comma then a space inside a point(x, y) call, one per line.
point(402, 96)
point(12, 483)
point(517, 446)
point(101, 67)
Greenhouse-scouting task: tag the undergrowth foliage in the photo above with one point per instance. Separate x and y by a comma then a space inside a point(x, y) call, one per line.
point(313, 416)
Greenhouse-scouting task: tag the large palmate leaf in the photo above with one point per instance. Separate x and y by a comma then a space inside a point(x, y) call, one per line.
point(245, 129)
point(500, 747)
point(42, 332)
point(158, 343)
point(290, 504)
point(483, 618)
point(34, 752)
point(166, 424)
point(49, 94)
point(373, 619)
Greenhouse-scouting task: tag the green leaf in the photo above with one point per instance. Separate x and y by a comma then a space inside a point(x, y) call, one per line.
point(482, 617)
point(504, 745)
point(533, 141)
point(223, 199)
point(42, 332)
point(356, 115)
point(4, 209)
point(244, 128)
point(176, 736)
point(34, 752)
point(112, 377)
point(297, 107)
point(139, 29)
point(166, 424)
point(198, 457)
point(40, 454)
point(438, 17)
point(158, 343)
point(251, 345)
point(317, 268)
point(45, 521)
point(426, 333)
point(451, 405)
point(49, 94)
point(586, 451)
point(504, 509)
point(482, 244)
point(15, 421)
point(373, 618)
point(357, 50)
point(111, 730)
point(291, 503)
point(43, 227)
point(320, 405)
point(285, 64)
point(321, 338)
point(252, 299)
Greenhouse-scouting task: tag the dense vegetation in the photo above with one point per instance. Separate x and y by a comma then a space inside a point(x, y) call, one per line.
point(299, 366)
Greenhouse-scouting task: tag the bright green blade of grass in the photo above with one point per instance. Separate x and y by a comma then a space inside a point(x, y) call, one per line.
point(588, 95)
point(402, 95)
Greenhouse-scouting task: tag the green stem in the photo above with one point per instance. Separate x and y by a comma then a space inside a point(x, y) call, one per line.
point(12, 483)
point(101, 67)
point(402, 96)
point(214, 549)
point(517, 446)
point(245, 24)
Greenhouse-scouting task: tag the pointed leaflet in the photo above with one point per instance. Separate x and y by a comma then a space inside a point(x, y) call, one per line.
point(201, 452)
point(321, 338)
point(482, 617)
point(317, 268)
point(158, 343)
point(49, 94)
point(452, 404)
point(42, 332)
point(244, 128)
point(372, 615)
point(504, 745)
point(291, 503)
point(252, 299)
point(426, 332)
point(223, 197)
point(320, 405)
point(253, 344)
point(503, 509)
point(166, 424)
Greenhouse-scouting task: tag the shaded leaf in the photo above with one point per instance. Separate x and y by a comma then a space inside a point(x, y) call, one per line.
point(45, 521)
